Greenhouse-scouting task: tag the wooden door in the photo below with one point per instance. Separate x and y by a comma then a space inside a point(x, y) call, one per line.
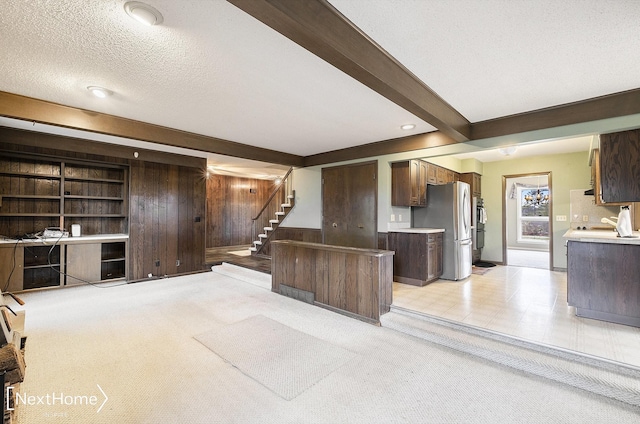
point(349, 205)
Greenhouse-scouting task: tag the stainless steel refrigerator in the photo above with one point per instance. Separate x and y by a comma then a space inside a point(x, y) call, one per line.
point(449, 207)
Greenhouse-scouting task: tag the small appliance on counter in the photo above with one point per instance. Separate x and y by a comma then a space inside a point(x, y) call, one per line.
point(622, 222)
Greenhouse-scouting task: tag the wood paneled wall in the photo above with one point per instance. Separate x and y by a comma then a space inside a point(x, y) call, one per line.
point(231, 203)
point(167, 220)
point(165, 201)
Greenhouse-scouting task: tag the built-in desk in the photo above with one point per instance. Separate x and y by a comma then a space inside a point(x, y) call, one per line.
point(53, 262)
point(352, 281)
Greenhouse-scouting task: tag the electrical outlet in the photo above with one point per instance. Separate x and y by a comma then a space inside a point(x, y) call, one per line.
point(393, 217)
point(399, 217)
point(561, 217)
point(585, 218)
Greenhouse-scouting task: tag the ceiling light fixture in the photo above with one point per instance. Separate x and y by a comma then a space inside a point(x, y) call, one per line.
point(535, 198)
point(99, 91)
point(407, 127)
point(143, 13)
point(507, 151)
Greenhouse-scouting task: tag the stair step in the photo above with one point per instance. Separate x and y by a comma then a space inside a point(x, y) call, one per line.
point(257, 242)
point(253, 249)
point(291, 196)
point(286, 205)
point(274, 221)
point(268, 228)
point(263, 236)
point(279, 213)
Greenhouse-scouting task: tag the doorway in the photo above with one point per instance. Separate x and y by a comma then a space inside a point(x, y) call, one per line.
point(527, 233)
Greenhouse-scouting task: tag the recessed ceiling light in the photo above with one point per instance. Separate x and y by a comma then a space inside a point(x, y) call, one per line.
point(99, 91)
point(143, 13)
point(407, 127)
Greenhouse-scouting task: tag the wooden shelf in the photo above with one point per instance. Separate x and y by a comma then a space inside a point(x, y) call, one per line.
point(29, 196)
point(35, 197)
point(93, 215)
point(112, 260)
point(97, 180)
point(74, 196)
point(31, 175)
point(17, 215)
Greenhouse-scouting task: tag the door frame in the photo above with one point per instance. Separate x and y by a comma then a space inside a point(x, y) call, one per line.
point(504, 212)
point(375, 202)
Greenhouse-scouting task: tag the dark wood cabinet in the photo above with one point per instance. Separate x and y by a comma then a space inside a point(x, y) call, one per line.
point(434, 256)
point(620, 166)
point(408, 183)
point(475, 182)
point(432, 173)
point(602, 281)
point(418, 257)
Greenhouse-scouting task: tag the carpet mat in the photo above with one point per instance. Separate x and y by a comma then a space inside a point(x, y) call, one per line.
point(607, 378)
point(479, 271)
point(282, 359)
point(243, 274)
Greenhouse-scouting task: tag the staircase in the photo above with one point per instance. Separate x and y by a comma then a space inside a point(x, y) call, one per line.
point(277, 207)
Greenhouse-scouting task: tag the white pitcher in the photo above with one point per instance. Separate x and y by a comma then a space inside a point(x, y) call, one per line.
point(624, 222)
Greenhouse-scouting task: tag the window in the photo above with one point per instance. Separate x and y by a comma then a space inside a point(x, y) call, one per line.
point(533, 215)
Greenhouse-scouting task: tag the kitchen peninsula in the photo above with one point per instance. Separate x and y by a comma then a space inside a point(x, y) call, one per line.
point(418, 258)
point(602, 275)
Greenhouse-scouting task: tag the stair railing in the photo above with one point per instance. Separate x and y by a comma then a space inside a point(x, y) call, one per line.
point(271, 206)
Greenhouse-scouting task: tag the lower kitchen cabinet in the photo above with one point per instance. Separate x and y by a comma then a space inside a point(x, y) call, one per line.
point(418, 256)
point(602, 281)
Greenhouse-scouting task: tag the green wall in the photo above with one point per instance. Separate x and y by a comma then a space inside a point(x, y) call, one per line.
point(568, 171)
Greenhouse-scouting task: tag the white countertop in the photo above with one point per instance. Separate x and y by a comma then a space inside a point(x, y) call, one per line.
point(68, 240)
point(601, 236)
point(417, 230)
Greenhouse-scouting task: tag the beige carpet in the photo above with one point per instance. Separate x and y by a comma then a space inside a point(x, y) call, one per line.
point(284, 360)
point(137, 342)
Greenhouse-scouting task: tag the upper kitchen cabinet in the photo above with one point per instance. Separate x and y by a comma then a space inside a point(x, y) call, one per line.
point(619, 166)
point(474, 181)
point(409, 183)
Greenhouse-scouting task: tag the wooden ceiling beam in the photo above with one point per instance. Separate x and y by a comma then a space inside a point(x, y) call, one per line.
point(605, 107)
point(318, 27)
point(34, 110)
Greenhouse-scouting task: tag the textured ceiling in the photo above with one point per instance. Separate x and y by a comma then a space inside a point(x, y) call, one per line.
point(211, 69)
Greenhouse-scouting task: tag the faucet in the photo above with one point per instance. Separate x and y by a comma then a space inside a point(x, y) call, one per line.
point(610, 222)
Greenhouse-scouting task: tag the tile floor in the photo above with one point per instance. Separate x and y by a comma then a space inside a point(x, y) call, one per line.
point(528, 303)
point(528, 258)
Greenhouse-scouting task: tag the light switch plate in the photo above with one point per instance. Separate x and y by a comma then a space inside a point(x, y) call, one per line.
point(561, 217)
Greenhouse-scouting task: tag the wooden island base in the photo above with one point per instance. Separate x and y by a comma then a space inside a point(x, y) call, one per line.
point(355, 282)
